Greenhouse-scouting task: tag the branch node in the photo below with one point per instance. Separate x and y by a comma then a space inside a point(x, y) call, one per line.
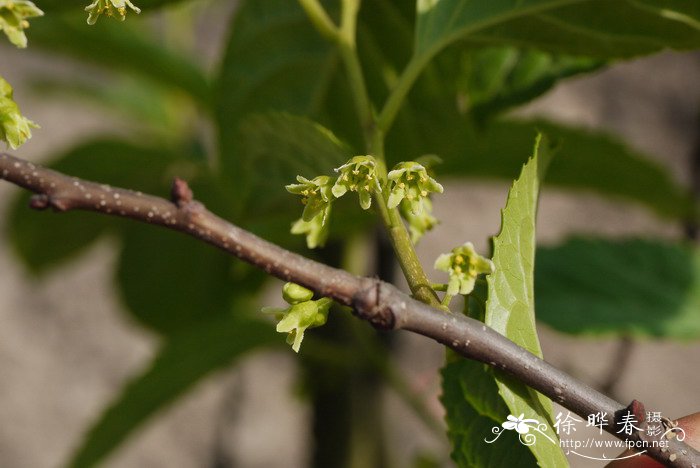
point(39, 202)
point(369, 304)
point(639, 412)
point(181, 193)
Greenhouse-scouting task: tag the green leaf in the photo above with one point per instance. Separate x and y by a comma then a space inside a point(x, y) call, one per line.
point(588, 160)
point(628, 287)
point(148, 105)
point(597, 28)
point(276, 147)
point(275, 61)
point(494, 79)
point(510, 308)
point(474, 410)
point(120, 46)
point(170, 281)
point(473, 407)
point(45, 239)
point(184, 360)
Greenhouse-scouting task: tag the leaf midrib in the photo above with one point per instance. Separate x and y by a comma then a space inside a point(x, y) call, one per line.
point(483, 24)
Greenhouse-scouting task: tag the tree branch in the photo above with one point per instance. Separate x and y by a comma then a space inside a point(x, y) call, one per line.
point(375, 301)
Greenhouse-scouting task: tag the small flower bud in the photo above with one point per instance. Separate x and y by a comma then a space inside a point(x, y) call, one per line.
point(301, 315)
point(294, 294)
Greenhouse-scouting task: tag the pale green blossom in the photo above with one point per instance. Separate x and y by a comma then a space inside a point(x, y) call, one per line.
point(316, 229)
point(114, 8)
point(358, 175)
point(419, 224)
point(15, 129)
point(13, 19)
point(316, 194)
point(302, 313)
point(463, 265)
point(410, 181)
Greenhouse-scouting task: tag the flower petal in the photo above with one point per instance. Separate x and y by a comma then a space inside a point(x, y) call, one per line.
point(339, 189)
point(365, 199)
point(443, 262)
point(395, 198)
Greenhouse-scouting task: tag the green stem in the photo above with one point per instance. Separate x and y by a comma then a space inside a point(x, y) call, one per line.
point(320, 19)
point(413, 400)
point(403, 86)
point(381, 361)
point(406, 254)
point(348, 53)
point(358, 89)
point(374, 133)
point(446, 300)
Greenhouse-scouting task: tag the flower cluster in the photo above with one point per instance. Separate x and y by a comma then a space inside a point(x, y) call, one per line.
point(13, 19)
point(463, 265)
point(302, 313)
point(15, 129)
point(358, 175)
point(113, 8)
point(409, 187)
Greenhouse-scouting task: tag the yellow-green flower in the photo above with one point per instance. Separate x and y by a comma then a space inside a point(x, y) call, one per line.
point(419, 224)
point(13, 19)
point(302, 313)
point(410, 181)
point(463, 265)
point(358, 175)
point(316, 194)
point(113, 8)
point(15, 129)
point(316, 229)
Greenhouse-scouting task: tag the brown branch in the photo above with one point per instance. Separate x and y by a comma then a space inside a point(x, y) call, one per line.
point(380, 303)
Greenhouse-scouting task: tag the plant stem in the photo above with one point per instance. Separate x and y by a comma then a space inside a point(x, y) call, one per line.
point(446, 300)
point(320, 19)
point(406, 254)
point(359, 91)
point(403, 86)
point(374, 138)
point(374, 133)
point(348, 53)
point(396, 381)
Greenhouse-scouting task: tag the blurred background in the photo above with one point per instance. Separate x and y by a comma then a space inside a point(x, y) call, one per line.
point(68, 348)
